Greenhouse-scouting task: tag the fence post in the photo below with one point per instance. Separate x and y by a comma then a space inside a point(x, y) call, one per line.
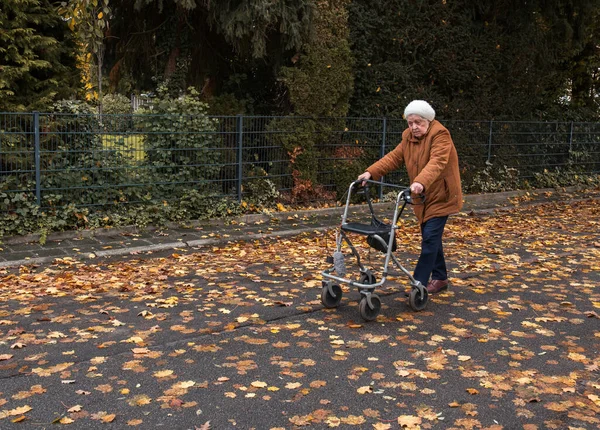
point(490, 142)
point(240, 132)
point(382, 152)
point(571, 138)
point(36, 142)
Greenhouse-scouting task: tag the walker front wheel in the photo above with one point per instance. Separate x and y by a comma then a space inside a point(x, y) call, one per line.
point(366, 312)
point(330, 300)
point(418, 298)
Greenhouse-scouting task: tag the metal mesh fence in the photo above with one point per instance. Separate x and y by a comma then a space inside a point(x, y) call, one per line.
point(87, 160)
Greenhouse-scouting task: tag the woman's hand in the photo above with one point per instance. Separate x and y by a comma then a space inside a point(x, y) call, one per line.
point(416, 188)
point(365, 177)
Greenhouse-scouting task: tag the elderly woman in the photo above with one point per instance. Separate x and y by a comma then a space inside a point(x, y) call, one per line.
point(428, 152)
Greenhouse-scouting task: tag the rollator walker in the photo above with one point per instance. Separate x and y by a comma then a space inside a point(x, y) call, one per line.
point(381, 236)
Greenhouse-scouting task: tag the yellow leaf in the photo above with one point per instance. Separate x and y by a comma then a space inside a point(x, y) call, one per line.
point(163, 373)
point(135, 422)
point(280, 207)
point(19, 411)
point(577, 357)
point(354, 420)
point(66, 420)
point(365, 389)
point(259, 384)
point(139, 400)
point(100, 15)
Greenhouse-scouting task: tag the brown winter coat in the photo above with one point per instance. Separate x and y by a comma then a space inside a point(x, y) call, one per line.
point(432, 161)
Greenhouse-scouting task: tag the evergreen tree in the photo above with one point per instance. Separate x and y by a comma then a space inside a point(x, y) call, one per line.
point(235, 47)
point(490, 59)
point(37, 64)
point(319, 83)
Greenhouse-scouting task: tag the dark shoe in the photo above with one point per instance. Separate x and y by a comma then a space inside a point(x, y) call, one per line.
point(437, 285)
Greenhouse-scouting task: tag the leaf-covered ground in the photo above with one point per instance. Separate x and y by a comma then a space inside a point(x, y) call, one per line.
point(235, 336)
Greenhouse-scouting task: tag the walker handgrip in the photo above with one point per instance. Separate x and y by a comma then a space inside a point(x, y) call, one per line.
point(407, 197)
point(360, 189)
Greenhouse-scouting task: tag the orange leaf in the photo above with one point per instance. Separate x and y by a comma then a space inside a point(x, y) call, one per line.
point(409, 421)
point(108, 418)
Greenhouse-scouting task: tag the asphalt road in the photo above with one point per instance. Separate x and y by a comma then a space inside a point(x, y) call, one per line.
point(234, 335)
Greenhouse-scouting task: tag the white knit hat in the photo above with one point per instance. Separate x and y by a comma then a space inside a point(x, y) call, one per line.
point(421, 108)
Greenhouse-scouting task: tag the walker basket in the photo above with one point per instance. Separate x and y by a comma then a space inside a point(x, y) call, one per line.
point(376, 244)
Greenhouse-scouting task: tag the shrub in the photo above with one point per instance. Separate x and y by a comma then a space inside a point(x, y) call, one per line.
point(491, 179)
point(180, 144)
point(258, 190)
point(116, 104)
point(75, 157)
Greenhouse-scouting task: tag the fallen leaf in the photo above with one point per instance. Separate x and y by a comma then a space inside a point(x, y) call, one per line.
point(162, 373)
point(409, 421)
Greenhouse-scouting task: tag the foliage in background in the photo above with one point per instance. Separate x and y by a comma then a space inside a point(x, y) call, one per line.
point(480, 60)
point(234, 48)
point(20, 215)
point(319, 83)
point(179, 133)
point(37, 60)
point(82, 167)
point(81, 160)
point(116, 104)
point(573, 173)
point(88, 19)
point(494, 179)
point(476, 60)
point(259, 191)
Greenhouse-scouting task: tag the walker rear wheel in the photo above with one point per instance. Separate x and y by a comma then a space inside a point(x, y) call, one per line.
point(329, 300)
point(418, 299)
point(366, 312)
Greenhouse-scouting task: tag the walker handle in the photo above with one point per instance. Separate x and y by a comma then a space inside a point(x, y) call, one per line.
point(408, 198)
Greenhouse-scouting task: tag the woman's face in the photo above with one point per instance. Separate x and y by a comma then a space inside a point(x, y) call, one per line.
point(418, 125)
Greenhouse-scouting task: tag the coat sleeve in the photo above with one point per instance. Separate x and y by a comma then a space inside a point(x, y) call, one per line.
point(388, 163)
point(441, 147)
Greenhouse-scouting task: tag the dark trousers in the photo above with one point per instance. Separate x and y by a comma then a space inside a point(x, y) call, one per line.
point(431, 261)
